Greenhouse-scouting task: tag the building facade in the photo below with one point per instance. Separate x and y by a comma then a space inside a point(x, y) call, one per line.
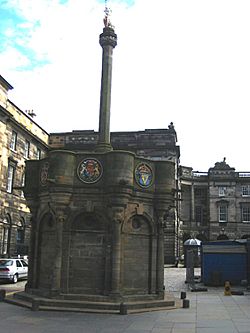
point(215, 204)
point(20, 139)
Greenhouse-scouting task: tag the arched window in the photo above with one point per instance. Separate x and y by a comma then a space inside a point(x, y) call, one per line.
point(20, 231)
point(6, 235)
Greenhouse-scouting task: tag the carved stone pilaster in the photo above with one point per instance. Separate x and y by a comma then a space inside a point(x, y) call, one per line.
point(117, 219)
point(33, 247)
point(60, 218)
point(160, 253)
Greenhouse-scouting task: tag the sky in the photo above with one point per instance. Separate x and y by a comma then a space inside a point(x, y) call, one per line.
point(180, 61)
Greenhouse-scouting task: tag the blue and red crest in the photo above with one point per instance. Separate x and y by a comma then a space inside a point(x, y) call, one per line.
point(144, 175)
point(89, 170)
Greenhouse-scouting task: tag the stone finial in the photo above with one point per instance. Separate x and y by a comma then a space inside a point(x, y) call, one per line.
point(171, 126)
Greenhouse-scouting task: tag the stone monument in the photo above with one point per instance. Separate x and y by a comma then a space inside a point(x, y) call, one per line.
point(97, 221)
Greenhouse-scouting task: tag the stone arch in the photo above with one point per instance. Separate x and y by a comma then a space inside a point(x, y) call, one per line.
point(137, 247)
point(6, 238)
point(87, 254)
point(20, 236)
point(20, 230)
point(46, 250)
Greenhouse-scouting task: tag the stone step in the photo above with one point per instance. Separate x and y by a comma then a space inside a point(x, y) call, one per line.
point(19, 302)
point(39, 303)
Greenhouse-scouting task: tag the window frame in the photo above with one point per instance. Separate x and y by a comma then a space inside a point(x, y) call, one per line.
point(246, 189)
point(198, 214)
point(20, 231)
point(10, 177)
point(22, 183)
point(27, 149)
point(220, 213)
point(38, 153)
point(244, 207)
point(6, 235)
point(13, 140)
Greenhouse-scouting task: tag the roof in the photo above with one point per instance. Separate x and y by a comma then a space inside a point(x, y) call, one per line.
point(5, 83)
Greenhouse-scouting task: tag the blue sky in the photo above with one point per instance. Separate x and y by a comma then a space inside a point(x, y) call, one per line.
point(184, 61)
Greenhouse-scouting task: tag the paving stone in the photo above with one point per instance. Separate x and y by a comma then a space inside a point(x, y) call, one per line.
point(209, 312)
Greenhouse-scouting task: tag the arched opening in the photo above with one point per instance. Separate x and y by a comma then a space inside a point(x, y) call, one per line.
point(137, 251)
point(20, 237)
point(87, 255)
point(6, 236)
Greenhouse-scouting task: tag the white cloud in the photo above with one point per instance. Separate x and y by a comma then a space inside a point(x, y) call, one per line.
point(181, 61)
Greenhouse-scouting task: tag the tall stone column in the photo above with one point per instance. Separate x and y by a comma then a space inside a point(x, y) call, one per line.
point(108, 41)
point(160, 256)
point(192, 205)
point(116, 254)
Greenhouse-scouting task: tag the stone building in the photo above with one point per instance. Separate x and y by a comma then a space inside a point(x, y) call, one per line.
point(20, 139)
point(215, 204)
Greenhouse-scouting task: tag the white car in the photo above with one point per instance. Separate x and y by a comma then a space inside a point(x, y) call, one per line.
point(13, 269)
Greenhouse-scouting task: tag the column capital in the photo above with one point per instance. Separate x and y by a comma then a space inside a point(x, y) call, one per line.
point(108, 37)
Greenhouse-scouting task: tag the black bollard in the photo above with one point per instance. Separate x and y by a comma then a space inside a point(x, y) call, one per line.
point(186, 303)
point(123, 309)
point(2, 295)
point(183, 295)
point(35, 305)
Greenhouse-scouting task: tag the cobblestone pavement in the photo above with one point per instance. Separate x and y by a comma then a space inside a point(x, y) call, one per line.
point(209, 312)
point(10, 287)
point(174, 279)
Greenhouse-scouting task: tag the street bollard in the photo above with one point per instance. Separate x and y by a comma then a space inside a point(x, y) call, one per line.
point(123, 309)
point(227, 289)
point(183, 295)
point(185, 303)
point(35, 305)
point(2, 295)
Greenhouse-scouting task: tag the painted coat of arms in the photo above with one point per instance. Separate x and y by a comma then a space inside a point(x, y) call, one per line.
point(143, 175)
point(89, 170)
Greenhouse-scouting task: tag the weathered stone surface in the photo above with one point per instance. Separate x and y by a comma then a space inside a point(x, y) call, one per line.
point(101, 238)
